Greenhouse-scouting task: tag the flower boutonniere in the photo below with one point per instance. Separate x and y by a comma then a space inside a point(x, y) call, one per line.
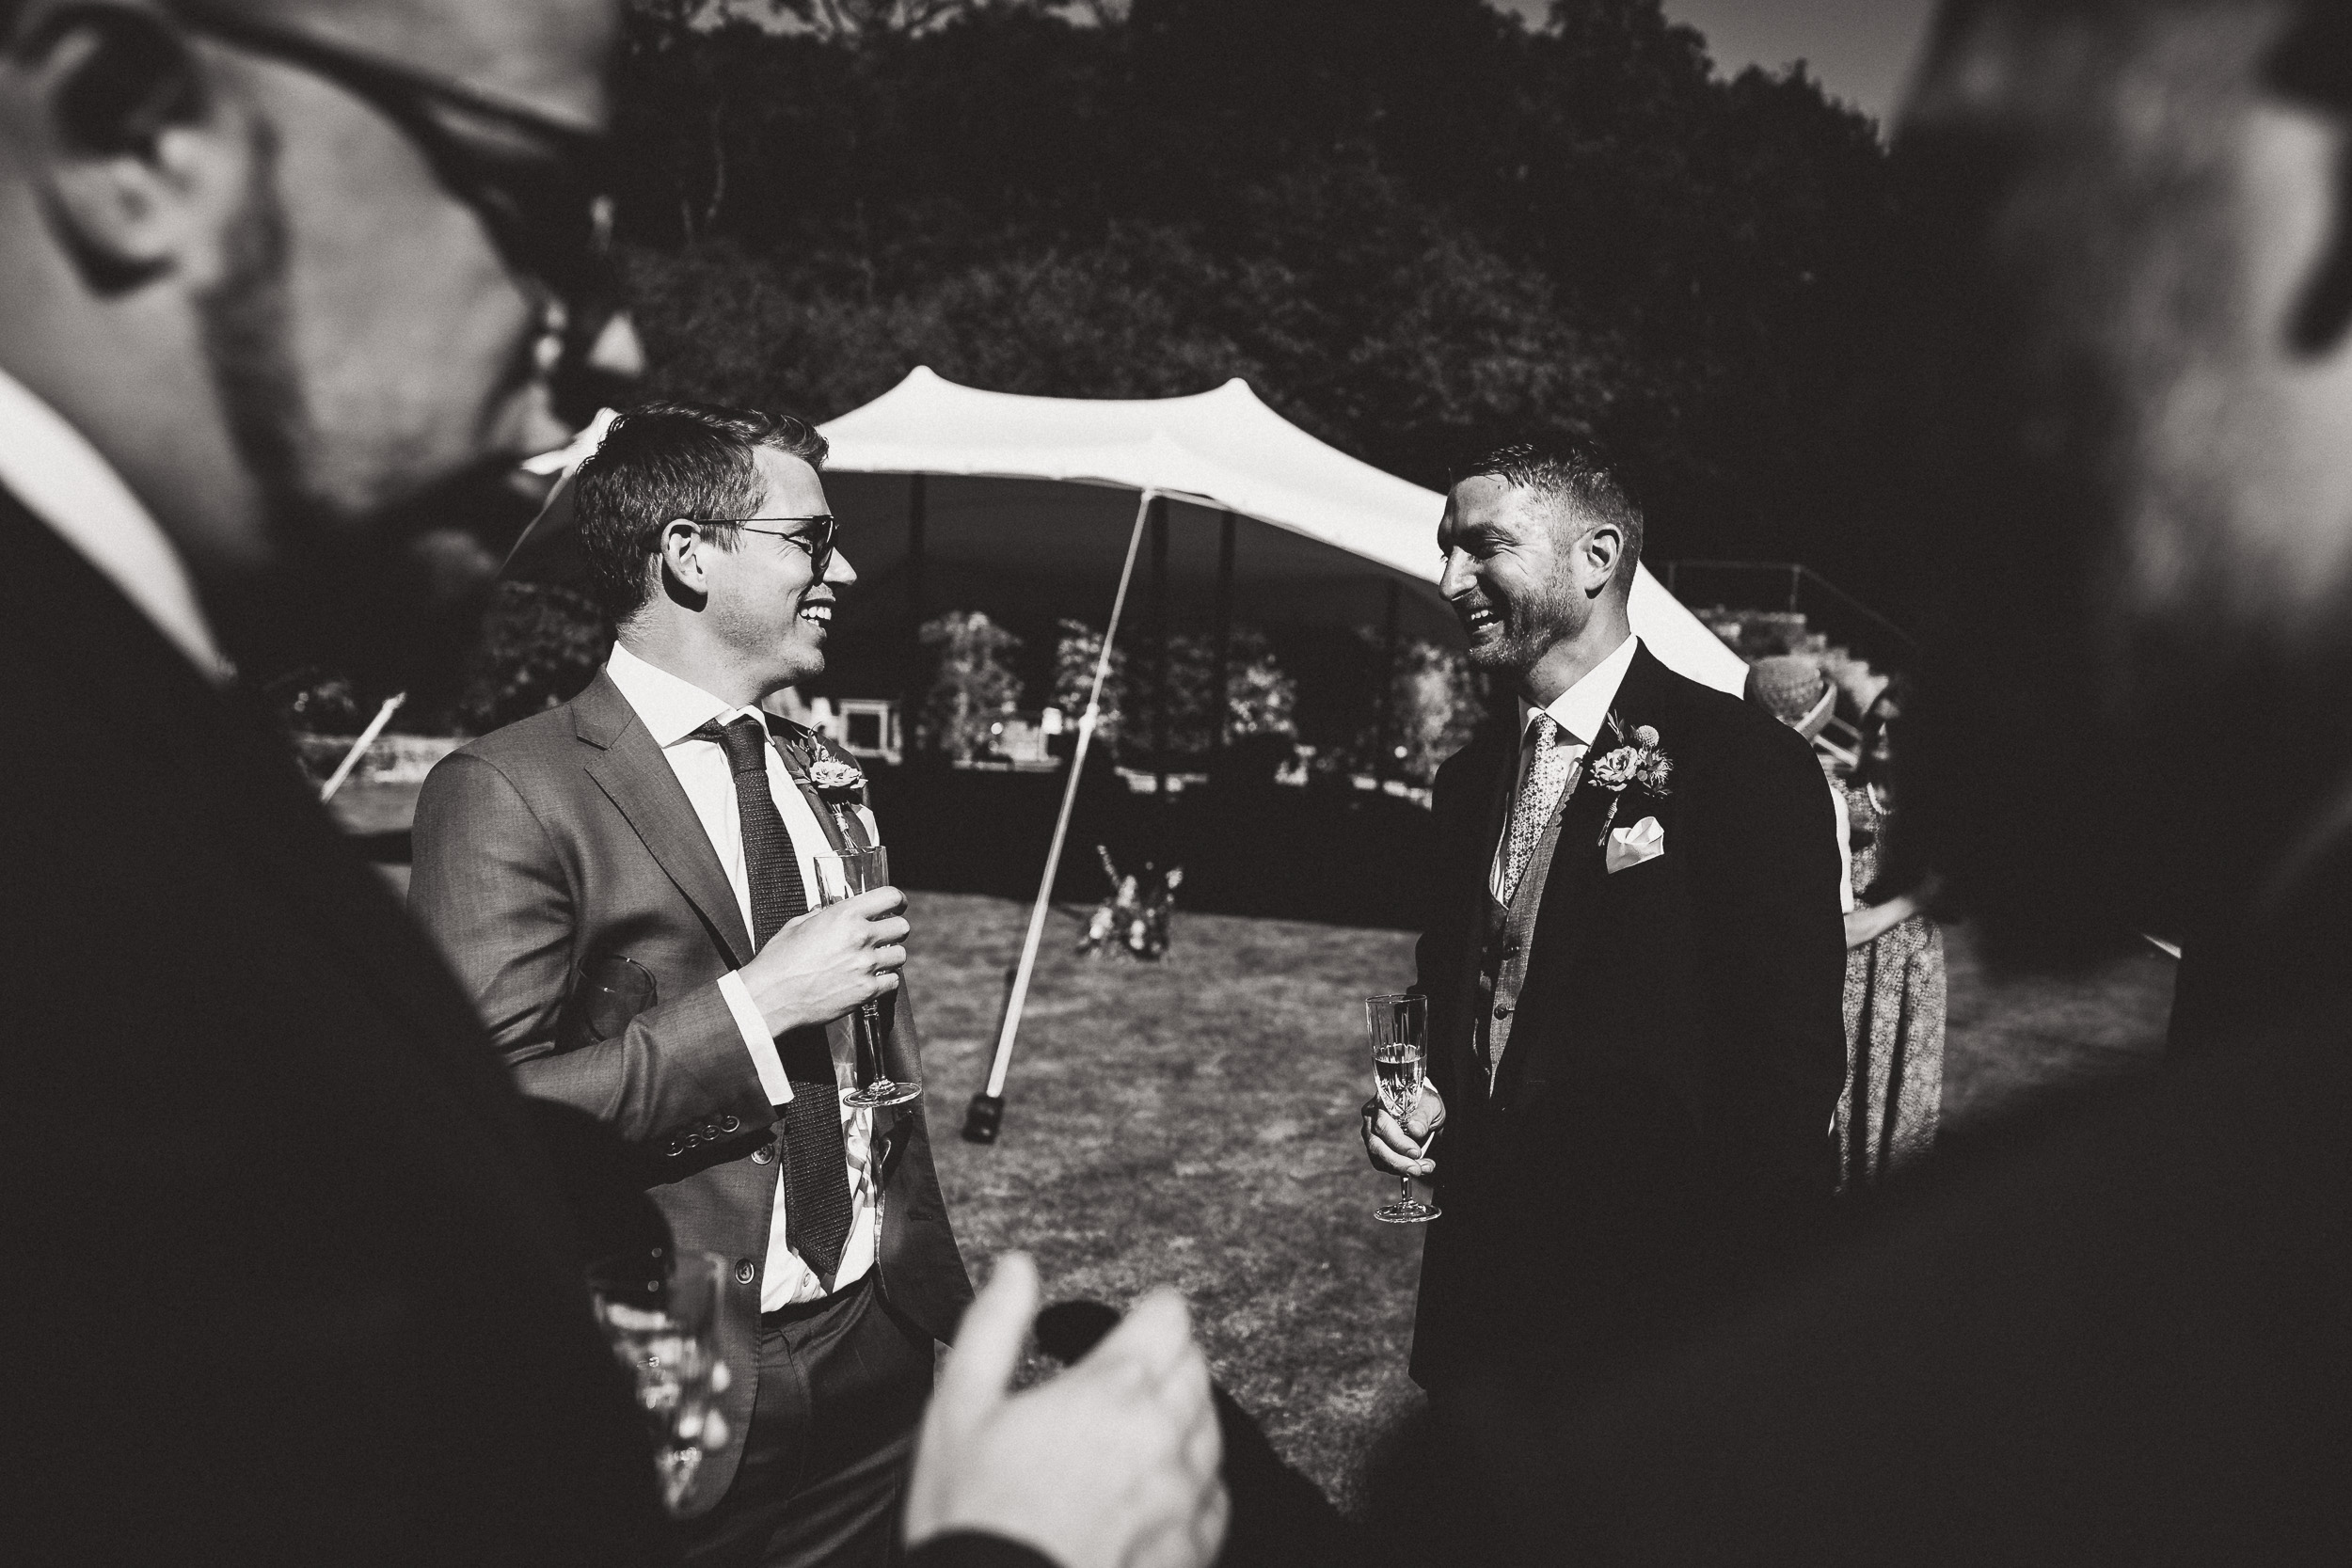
point(1640, 765)
point(837, 781)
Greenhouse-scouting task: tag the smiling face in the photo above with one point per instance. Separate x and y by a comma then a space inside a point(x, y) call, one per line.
point(766, 607)
point(1512, 572)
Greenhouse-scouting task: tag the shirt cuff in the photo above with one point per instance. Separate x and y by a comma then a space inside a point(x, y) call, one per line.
point(761, 1044)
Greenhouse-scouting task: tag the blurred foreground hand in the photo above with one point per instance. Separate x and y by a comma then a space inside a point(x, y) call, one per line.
point(1111, 1465)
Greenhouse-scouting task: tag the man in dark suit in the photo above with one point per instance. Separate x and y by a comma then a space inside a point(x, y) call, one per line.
point(1633, 962)
point(291, 1280)
point(661, 823)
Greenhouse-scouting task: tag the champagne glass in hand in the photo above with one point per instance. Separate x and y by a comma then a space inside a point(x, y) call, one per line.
point(1400, 1059)
point(659, 1312)
point(845, 876)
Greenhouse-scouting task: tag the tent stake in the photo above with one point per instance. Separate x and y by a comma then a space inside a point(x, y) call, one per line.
point(986, 1111)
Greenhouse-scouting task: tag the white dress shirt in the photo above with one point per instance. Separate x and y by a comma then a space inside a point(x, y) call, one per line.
point(1580, 711)
point(64, 480)
point(671, 710)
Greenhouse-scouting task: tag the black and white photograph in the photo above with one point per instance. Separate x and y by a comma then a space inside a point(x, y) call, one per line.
point(1176, 783)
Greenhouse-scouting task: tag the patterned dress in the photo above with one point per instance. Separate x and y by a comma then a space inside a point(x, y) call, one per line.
point(1893, 1027)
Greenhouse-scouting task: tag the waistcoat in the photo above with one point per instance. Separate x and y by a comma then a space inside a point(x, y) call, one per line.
point(1508, 934)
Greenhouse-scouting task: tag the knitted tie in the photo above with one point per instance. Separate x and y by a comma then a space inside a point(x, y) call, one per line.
point(816, 1157)
point(1546, 775)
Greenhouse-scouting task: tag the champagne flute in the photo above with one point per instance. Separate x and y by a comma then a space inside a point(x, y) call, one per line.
point(659, 1312)
point(845, 876)
point(1399, 1025)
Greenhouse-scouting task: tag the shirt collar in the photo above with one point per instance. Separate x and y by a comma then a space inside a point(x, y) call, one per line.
point(1582, 708)
point(65, 482)
point(671, 707)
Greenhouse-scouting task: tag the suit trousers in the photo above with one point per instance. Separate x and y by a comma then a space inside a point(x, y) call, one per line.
point(842, 1386)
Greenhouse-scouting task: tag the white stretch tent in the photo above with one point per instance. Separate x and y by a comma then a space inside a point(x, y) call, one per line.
point(1013, 490)
point(998, 493)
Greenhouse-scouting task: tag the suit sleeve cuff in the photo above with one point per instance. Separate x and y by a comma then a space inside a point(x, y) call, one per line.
point(766, 1061)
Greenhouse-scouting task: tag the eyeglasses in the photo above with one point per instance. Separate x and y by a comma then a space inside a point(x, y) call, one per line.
point(819, 546)
point(538, 185)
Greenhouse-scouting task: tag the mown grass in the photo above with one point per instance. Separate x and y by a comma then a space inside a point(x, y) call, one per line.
point(1190, 1122)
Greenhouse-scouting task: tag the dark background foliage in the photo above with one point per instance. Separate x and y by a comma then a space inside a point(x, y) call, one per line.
point(1417, 229)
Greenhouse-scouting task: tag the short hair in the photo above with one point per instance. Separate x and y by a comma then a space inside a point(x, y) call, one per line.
point(669, 460)
point(1576, 475)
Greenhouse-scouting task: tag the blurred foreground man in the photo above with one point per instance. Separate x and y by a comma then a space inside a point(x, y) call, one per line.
point(292, 1281)
point(2128, 1338)
point(662, 828)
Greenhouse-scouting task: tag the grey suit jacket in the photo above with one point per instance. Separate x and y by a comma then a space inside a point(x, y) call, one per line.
point(566, 838)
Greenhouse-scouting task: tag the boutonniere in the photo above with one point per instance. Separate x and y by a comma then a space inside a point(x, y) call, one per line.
point(1642, 764)
point(837, 783)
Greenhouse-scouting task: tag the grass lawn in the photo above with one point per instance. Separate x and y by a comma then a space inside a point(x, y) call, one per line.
point(1195, 1122)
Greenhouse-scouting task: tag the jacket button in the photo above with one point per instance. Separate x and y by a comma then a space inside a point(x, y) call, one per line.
point(1502, 1009)
point(677, 1147)
point(727, 1123)
point(745, 1270)
point(763, 1154)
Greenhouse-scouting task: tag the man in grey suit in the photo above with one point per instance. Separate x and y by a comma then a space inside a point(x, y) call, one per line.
point(653, 840)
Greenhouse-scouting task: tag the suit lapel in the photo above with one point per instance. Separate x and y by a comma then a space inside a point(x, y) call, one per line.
point(1586, 810)
point(633, 774)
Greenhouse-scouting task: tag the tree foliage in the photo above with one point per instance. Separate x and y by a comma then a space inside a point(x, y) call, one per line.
point(540, 645)
point(1415, 233)
point(972, 683)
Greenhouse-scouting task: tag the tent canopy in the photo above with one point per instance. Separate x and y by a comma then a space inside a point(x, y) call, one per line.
point(1011, 497)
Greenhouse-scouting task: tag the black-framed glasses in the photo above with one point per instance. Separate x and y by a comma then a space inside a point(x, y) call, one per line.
point(819, 546)
point(540, 185)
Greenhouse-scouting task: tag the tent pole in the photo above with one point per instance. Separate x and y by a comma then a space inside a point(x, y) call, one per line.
point(986, 1111)
point(918, 520)
point(1384, 765)
point(1220, 679)
point(1159, 656)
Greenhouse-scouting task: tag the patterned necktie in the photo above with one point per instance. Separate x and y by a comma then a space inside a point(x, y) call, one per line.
point(815, 1156)
point(1555, 760)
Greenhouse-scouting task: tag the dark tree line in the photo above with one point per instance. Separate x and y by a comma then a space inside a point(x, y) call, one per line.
point(1417, 227)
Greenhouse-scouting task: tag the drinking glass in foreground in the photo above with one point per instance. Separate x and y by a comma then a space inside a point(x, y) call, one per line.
point(659, 1312)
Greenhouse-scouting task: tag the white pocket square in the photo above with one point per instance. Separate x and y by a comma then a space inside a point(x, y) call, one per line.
point(1644, 841)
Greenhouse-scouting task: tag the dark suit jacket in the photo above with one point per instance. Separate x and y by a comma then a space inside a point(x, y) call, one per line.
point(566, 838)
point(1659, 1121)
point(289, 1278)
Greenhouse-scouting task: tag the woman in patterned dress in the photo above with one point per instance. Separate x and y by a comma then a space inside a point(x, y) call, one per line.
point(1895, 979)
